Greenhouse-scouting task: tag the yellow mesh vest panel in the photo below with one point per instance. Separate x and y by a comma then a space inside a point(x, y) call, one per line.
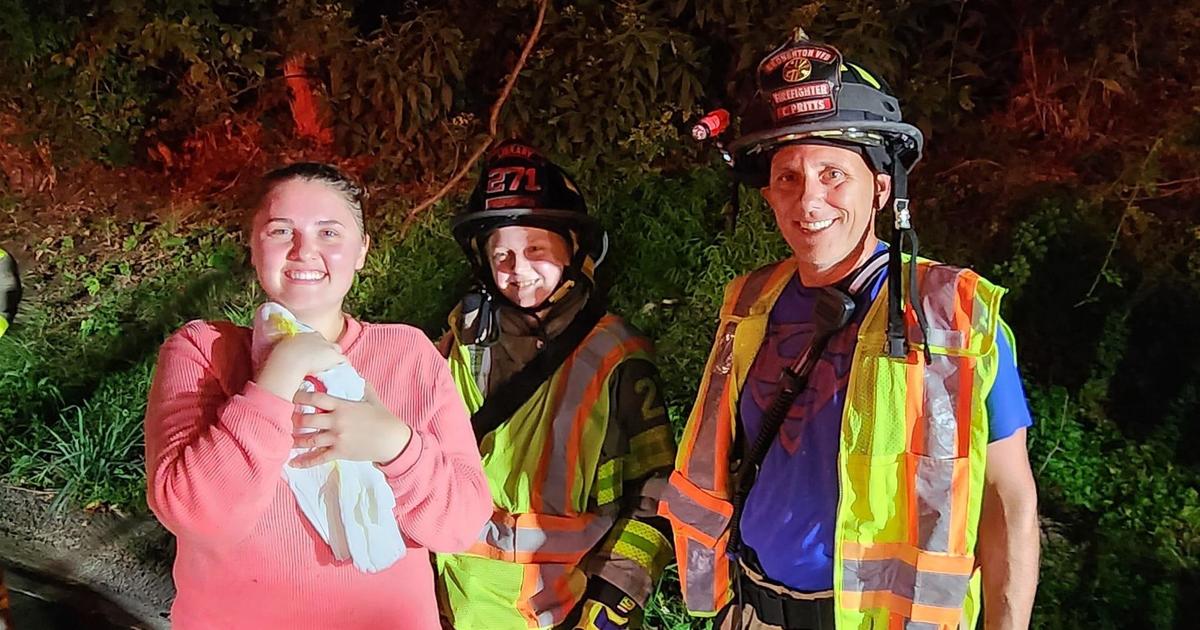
point(911, 462)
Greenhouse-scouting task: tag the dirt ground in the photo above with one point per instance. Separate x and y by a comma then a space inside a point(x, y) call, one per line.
point(99, 565)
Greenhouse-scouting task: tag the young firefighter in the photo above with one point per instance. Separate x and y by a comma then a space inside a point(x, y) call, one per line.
point(567, 407)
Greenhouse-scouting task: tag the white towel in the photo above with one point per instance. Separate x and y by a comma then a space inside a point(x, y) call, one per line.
point(349, 503)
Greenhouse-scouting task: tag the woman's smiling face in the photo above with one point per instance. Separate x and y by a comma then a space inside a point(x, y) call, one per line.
point(306, 247)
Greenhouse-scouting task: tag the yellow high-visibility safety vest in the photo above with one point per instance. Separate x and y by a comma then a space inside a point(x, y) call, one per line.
point(910, 464)
point(542, 467)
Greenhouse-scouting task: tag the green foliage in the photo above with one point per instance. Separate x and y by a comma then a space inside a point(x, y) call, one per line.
point(107, 76)
point(75, 369)
point(416, 279)
point(1121, 515)
point(393, 92)
point(94, 450)
point(608, 73)
point(626, 74)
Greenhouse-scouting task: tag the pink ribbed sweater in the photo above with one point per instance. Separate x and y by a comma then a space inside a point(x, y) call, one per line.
point(247, 557)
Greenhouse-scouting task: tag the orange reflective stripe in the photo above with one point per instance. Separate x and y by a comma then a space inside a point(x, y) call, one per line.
point(704, 449)
point(734, 291)
point(963, 315)
point(914, 412)
point(530, 585)
point(704, 576)
point(922, 560)
point(758, 284)
point(964, 308)
point(546, 595)
point(897, 605)
point(702, 515)
point(540, 538)
point(695, 501)
point(896, 576)
point(590, 395)
point(960, 497)
point(724, 442)
point(702, 442)
point(537, 499)
point(580, 381)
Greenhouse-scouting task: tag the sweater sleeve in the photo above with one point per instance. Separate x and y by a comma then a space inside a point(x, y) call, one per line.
point(442, 496)
point(213, 461)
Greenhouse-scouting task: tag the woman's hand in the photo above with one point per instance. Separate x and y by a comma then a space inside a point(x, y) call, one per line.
point(295, 357)
point(357, 431)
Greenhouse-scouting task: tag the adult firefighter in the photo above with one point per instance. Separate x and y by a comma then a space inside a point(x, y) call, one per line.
point(566, 404)
point(856, 457)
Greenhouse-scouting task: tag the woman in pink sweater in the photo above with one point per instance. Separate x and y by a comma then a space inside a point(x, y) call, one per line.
point(218, 434)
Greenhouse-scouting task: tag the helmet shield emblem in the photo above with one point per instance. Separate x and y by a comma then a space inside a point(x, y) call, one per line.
point(801, 80)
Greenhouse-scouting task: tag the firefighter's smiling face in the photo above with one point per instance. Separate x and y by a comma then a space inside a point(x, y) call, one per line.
point(825, 199)
point(527, 263)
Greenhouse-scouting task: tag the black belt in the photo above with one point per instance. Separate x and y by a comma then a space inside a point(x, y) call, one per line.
point(780, 610)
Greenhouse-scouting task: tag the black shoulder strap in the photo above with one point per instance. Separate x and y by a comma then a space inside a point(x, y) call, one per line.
point(506, 399)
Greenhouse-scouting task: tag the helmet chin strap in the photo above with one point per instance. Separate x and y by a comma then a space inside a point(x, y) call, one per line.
point(897, 338)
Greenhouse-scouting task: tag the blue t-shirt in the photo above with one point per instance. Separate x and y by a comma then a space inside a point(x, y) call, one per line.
point(789, 516)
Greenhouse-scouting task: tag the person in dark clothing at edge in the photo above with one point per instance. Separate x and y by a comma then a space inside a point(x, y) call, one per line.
point(567, 407)
point(10, 290)
point(10, 297)
point(856, 457)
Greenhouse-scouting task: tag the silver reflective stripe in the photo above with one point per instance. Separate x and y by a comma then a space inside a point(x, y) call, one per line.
point(900, 578)
point(939, 337)
point(939, 288)
point(891, 575)
point(921, 625)
point(584, 365)
point(701, 468)
point(981, 316)
point(701, 567)
point(482, 367)
point(509, 538)
point(688, 511)
point(941, 589)
point(940, 399)
point(934, 484)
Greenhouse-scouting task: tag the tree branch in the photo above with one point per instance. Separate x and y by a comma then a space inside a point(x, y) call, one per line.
point(493, 123)
point(1112, 246)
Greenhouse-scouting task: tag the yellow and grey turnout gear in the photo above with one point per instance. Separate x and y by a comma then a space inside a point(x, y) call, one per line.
point(10, 290)
point(575, 473)
point(911, 456)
